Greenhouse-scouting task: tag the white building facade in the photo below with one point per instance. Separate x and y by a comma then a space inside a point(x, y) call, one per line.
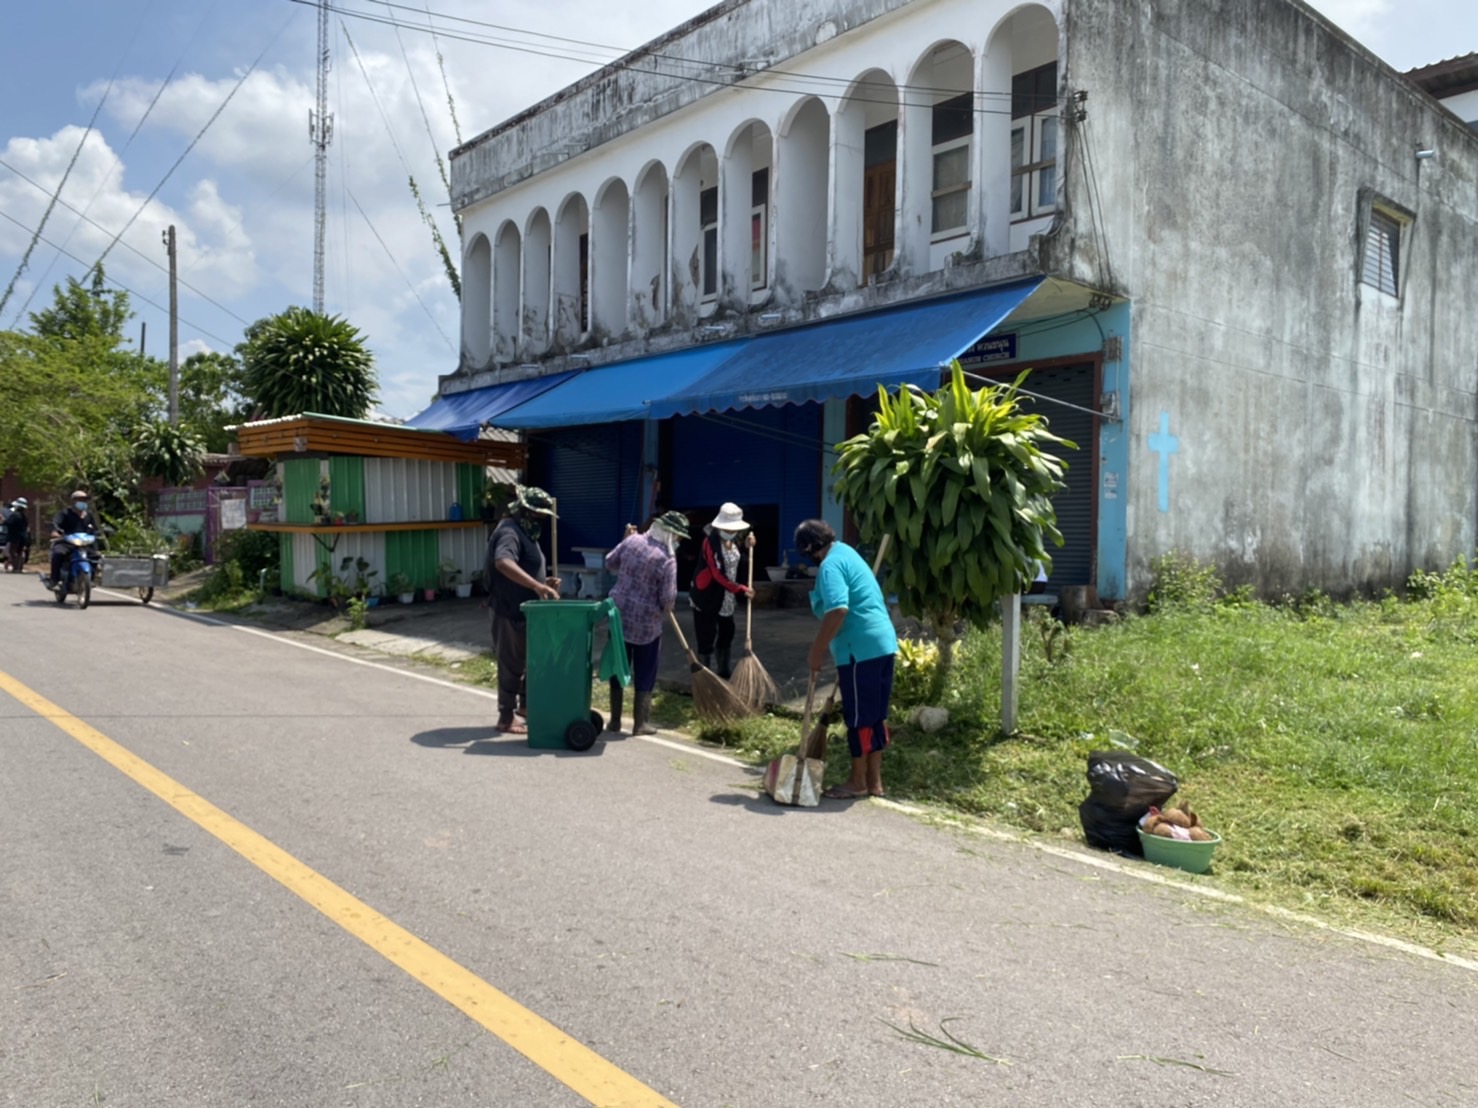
point(684, 275)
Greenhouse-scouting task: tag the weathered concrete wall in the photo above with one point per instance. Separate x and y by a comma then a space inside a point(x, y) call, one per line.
point(1318, 432)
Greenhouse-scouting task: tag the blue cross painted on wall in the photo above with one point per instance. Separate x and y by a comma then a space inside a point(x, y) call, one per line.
point(1163, 443)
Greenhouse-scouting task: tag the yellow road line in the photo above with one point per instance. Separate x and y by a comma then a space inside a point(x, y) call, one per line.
point(538, 1040)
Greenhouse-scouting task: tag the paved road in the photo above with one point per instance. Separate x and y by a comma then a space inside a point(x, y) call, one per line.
point(704, 945)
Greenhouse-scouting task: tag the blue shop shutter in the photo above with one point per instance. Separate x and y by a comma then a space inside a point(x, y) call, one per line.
point(1072, 563)
point(764, 456)
point(595, 474)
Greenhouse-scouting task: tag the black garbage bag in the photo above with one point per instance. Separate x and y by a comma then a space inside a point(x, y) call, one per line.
point(1121, 788)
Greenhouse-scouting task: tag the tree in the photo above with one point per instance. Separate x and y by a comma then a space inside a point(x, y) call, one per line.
point(172, 453)
point(302, 361)
point(963, 482)
point(71, 392)
point(212, 391)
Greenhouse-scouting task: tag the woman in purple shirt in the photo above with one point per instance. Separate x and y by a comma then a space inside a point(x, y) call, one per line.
point(645, 591)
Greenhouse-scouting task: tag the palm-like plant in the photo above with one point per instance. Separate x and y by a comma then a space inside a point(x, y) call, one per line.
point(303, 361)
point(170, 453)
point(963, 481)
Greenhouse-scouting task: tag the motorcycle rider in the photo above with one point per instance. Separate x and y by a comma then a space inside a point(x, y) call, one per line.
point(18, 531)
point(72, 520)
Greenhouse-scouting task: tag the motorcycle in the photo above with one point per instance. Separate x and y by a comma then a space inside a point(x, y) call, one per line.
point(80, 569)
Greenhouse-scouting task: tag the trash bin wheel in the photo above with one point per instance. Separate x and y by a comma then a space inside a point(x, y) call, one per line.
point(580, 735)
point(597, 720)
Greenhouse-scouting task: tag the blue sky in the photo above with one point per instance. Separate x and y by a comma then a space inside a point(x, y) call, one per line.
point(242, 199)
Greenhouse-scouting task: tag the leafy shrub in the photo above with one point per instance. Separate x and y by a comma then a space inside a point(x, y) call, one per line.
point(914, 671)
point(1182, 582)
point(252, 551)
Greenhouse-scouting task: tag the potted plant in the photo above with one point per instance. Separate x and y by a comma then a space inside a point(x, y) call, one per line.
point(451, 578)
point(400, 585)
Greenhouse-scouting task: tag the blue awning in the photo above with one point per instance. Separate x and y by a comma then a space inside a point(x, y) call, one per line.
point(625, 390)
point(463, 413)
point(850, 355)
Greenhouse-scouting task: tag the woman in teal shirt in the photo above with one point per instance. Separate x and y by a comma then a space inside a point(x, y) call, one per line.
point(856, 629)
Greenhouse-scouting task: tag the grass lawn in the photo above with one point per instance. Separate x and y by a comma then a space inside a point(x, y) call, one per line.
point(1334, 748)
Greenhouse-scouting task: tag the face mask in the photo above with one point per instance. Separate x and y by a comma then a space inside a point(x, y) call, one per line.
point(532, 526)
point(80, 506)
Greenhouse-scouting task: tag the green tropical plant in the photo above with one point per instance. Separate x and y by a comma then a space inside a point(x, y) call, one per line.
point(172, 453)
point(963, 481)
point(302, 361)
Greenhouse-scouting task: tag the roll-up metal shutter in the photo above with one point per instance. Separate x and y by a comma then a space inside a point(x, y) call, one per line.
point(595, 474)
point(1076, 506)
point(766, 460)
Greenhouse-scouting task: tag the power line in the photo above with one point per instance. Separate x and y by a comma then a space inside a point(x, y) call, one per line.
point(147, 257)
point(41, 281)
point(186, 153)
point(119, 284)
point(740, 74)
point(403, 277)
point(621, 51)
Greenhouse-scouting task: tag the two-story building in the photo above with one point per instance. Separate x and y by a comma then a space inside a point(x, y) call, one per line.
point(1230, 243)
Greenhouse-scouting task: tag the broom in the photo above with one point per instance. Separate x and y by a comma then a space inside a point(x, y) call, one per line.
point(751, 682)
point(712, 697)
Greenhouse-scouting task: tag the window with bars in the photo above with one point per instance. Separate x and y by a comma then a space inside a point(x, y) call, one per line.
point(1381, 266)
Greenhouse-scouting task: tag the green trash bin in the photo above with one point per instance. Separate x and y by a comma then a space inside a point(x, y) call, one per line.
point(561, 635)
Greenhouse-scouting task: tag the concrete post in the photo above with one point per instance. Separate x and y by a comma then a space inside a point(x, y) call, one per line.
point(1010, 659)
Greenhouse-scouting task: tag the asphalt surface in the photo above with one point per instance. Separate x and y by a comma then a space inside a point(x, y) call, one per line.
point(641, 897)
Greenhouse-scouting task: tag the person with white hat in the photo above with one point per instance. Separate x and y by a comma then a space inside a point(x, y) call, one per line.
point(722, 564)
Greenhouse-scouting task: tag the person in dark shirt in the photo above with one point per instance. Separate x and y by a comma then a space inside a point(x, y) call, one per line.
point(18, 532)
point(73, 520)
point(515, 571)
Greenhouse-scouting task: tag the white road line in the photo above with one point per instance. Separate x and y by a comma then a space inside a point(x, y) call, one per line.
point(1066, 854)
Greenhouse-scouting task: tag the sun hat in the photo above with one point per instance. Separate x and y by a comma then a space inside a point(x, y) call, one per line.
point(674, 523)
point(730, 518)
point(529, 498)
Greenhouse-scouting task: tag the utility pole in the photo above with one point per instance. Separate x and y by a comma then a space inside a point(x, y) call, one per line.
point(174, 329)
point(320, 134)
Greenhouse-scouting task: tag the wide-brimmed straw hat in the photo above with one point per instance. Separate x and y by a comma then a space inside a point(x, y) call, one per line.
point(674, 523)
point(730, 518)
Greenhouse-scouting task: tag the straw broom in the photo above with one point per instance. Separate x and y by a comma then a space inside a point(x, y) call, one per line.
point(712, 698)
point(751, 682)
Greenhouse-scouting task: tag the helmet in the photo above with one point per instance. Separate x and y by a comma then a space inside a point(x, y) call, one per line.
point(78, 495)
point(674, 523)
point(529, 500)
point(19, 502)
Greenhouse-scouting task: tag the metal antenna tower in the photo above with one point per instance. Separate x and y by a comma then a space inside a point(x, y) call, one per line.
point(320, 134)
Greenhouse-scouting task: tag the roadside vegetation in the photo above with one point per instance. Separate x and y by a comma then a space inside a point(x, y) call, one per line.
point(1333, 746)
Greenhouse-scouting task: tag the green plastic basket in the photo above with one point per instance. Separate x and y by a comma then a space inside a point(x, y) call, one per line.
point(1190, 856)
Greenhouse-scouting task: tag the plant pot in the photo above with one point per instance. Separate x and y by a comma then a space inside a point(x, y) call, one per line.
point(406, 597)
point(776, 573)
point(428, 594)
point(463, 591)
point(1192, 857)
point(372, 602)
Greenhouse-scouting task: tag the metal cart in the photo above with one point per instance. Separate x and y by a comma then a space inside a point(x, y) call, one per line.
point(145, 572)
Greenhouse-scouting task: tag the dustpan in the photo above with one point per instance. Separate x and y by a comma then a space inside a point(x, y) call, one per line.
point(795, 779)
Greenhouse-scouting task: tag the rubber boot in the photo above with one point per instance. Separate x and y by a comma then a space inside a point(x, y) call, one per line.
point(705, 660)
point(614, 723)
point(640, 715)
point(724, 669)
